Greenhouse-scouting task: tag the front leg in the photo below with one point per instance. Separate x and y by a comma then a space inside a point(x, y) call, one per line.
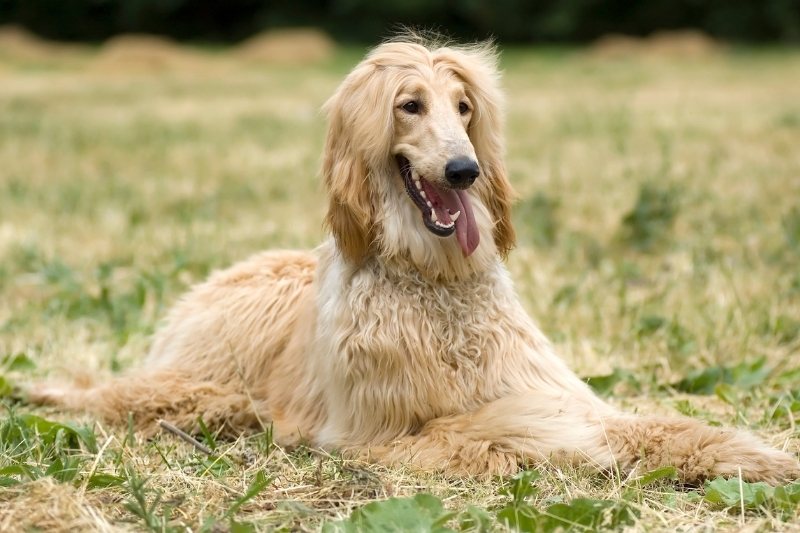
point(502, 435)
point(536, 427)
point(697, 450)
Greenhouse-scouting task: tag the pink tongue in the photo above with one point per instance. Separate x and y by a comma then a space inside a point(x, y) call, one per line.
point(466, 228)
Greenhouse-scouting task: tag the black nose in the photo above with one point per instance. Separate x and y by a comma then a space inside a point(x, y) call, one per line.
point(461, 171)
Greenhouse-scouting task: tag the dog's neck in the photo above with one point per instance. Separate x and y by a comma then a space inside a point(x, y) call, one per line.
point(436, 270)
point(402, 243)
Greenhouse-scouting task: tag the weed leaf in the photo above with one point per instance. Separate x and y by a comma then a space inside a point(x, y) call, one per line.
point(18, 362)
point(589, 513)
point(475, 519)
point(102, 481)
point(423, 512)
point(521, 487)
point(207, 435)
point(727, 393)
point(6, 389)
point(734, 492)
point(23, 471)
point(786, 405)
point(788, 496)
point(579, 514)
point(744, 375)
point(259, 483)
point(520, 518)
point(64, 470)
point(665, 472)
point(605, 385)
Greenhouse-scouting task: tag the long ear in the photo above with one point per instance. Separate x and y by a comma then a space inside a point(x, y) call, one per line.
point(350, 206)
point(477, 66)
point(499, 203)
point(356, 148)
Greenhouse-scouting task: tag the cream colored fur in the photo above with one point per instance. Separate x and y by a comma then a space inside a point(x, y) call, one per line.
point(386, 342)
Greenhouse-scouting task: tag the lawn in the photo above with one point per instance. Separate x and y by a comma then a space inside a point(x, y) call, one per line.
point(659, 247)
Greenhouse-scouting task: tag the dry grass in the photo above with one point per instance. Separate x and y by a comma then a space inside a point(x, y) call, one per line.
point(118, 192)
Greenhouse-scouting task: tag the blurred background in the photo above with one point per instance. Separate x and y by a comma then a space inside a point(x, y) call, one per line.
point(520, 21)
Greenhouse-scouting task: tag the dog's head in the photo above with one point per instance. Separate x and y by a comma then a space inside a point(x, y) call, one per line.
point(414, 162)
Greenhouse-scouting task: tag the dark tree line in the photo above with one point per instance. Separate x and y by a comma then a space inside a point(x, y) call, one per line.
point(368, 20)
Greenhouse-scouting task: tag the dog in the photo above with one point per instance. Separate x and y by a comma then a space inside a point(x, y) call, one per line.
point(401, 339)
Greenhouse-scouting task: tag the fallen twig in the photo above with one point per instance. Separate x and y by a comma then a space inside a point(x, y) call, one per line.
point(185, 436)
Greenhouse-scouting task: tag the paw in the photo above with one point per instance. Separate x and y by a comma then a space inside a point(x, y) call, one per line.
point(775, 468)
point(700, 452)
point(756, 461)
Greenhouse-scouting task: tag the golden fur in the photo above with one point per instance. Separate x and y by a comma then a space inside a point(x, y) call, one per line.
point(390, 342)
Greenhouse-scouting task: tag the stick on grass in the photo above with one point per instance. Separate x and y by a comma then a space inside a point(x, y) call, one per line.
point(185, 436)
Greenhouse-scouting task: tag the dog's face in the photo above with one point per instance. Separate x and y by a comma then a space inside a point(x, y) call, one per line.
point(414, 159)
point(434, 154)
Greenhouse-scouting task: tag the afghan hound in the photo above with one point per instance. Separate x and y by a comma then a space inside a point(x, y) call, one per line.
point(401, 339)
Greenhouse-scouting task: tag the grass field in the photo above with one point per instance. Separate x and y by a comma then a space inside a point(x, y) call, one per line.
point(659, 224)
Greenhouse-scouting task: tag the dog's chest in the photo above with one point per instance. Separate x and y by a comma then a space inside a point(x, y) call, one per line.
point(421, 347)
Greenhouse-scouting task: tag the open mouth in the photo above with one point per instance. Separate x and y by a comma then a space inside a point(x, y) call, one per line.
point(444, 211)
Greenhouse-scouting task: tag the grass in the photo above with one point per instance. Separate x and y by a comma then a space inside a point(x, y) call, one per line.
point(659, 249)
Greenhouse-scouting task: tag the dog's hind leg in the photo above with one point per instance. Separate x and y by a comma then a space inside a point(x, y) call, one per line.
point(148, 396)
point(538, 427)
point(215, 355)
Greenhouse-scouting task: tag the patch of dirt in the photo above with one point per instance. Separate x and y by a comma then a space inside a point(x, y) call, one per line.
point(146, 53)
point(297, 46)
point(675, 44)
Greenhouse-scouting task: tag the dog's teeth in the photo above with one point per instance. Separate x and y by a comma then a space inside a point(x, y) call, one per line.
point(422, 193)
point(418, 184)
point(433, 214)
point(455, 216)
point(429, 204)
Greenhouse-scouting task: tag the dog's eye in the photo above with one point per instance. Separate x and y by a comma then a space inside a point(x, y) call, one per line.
point(463, 108)
point(411, 107)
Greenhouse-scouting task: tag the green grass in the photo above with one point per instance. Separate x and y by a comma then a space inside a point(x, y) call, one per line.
point(659, 225)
